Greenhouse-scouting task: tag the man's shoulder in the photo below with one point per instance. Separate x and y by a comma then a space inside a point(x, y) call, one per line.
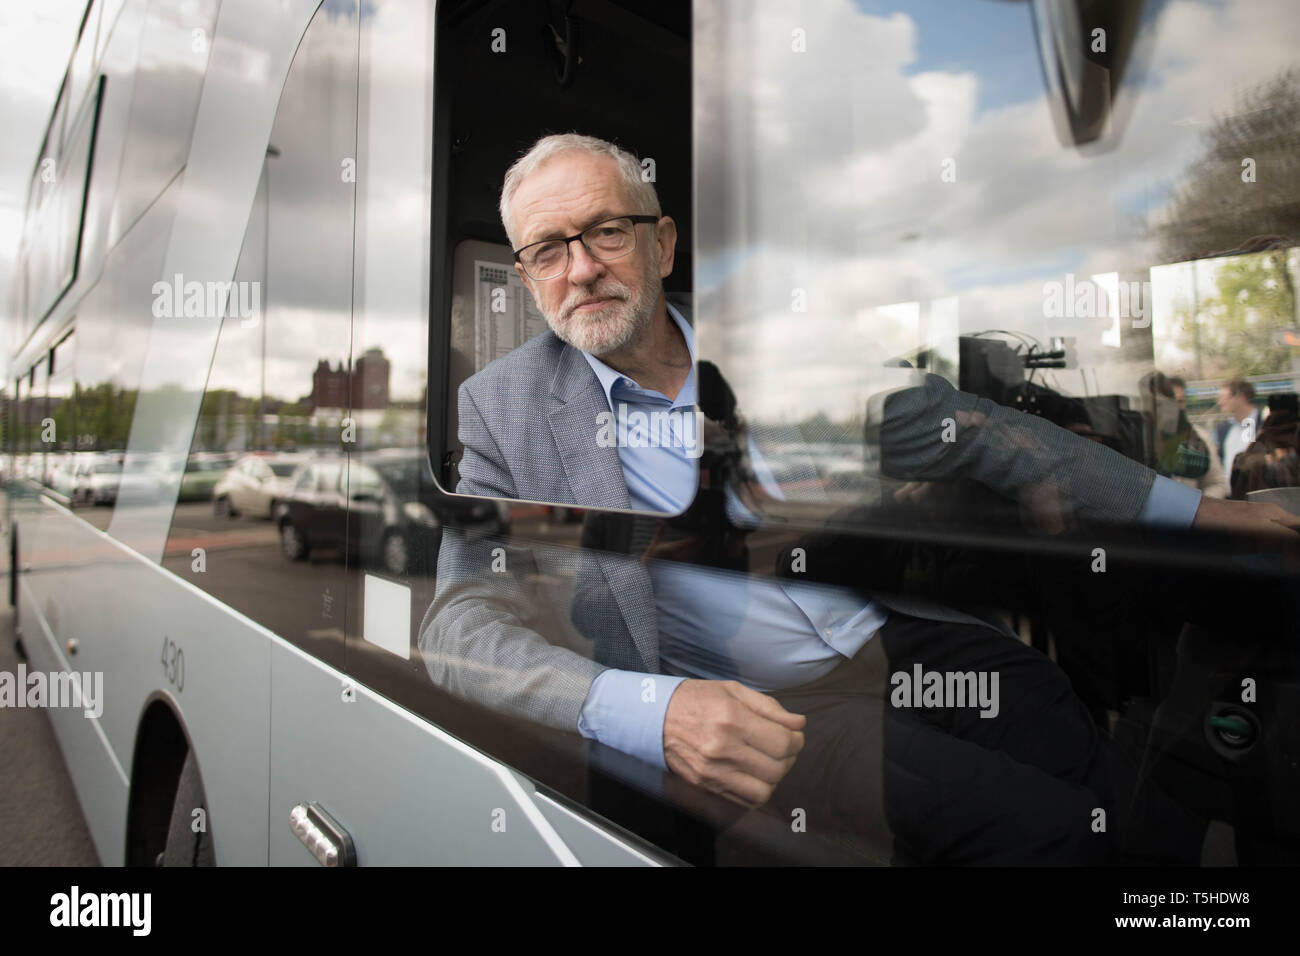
point(529, 368)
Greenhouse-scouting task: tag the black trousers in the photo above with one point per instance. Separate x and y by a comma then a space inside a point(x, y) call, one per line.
point(1036, 784)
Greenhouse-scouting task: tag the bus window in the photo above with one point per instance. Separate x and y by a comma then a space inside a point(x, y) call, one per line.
point(18, 440)
point(521, 616)
point(37, 423)
point(875, 221)
point(53, 229)
point(278, 395)
point(941, 346)
point(63, 416)
point(81, 72)
point(482, 307)
point(175, 41)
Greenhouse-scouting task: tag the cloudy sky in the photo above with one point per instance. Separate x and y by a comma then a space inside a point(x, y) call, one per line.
point(820, 171)
point(36, 40)
point(311, 227)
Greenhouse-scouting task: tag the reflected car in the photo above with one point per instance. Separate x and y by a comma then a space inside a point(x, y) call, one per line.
point(63, 475)
point(141, 478)
point(102, 480)
point(383, 509)
point(203, 471)
point(96, 481)
point(254, 485)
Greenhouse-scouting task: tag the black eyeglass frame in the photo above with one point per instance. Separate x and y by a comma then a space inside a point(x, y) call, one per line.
point(635, 220)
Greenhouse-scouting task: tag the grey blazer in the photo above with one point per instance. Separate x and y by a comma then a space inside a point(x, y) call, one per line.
point(495, 632)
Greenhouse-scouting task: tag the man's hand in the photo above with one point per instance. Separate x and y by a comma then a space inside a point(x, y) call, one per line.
point(730, 739)
point(1256, 518)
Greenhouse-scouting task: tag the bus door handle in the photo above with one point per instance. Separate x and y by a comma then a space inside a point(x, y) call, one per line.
point(321, 834)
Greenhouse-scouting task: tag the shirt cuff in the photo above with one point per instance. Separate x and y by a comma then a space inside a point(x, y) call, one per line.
point(626, 710)
point(1170, 504)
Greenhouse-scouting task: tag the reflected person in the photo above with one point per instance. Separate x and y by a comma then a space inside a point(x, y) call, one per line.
point(593, 249)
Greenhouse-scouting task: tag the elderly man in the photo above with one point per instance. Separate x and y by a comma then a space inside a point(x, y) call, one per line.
point(690, 664)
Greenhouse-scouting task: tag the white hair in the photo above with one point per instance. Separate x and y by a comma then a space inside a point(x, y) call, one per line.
point(641, 192)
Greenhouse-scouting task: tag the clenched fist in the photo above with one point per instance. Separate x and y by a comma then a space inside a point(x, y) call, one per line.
point(730, 739)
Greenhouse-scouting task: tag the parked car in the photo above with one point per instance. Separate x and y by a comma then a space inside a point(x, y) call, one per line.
point(97, 480)
point(254, 485)
point(384, 508)
point(63, 474)
point(141, 478)
point(203, 471)
point(101, 480)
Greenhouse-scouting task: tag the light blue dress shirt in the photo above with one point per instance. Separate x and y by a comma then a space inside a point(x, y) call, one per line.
point(767, 633)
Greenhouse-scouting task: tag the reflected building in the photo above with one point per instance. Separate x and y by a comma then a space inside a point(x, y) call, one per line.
point(329, 388)
point(373, 372)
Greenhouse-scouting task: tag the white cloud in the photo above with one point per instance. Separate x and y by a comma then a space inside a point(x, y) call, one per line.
point(827, 167)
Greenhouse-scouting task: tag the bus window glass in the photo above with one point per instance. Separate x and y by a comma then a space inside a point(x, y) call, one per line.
point(63, 417)
point(944, 347)
point(40, 431)
point(19, 439)
point(278, 394)
point(175, 41)
point(80, 73)
point(887, 205)
point(491, 308)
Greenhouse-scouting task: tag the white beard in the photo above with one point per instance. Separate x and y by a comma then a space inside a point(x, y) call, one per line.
point(615, 324)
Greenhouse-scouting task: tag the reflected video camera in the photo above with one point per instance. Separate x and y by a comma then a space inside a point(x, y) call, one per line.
point(992, 369)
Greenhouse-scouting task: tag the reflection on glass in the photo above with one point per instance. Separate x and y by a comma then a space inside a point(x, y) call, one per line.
point(62, 413)
point(175, 43)
point(881, 208)
point(40, 436)
point(928, 307)
point(279, 395)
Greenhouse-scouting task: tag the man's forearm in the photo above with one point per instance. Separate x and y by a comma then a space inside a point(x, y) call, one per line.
point(477, 642)
point(932, 432)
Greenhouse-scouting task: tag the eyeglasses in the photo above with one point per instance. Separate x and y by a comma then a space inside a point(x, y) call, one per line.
point(605, 241)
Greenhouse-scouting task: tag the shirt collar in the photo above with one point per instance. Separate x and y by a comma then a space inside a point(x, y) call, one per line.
point(611, 378)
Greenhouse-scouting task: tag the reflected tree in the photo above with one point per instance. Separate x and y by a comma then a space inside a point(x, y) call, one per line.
point(1246, 183)
point(104, 414)
point(1242, 195)
point(1235, 334)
